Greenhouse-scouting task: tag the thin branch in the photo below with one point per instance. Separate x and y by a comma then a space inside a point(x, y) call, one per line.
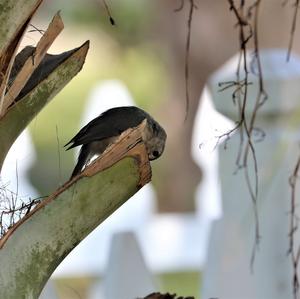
point(260, 100)
point(247, 23)
point(111, 19)
point(58, 154)
point(192, 7)
point(294, 219)
point(187, 55)
point(241, 20)
point(36, 29)
point(180, 7)
point(293, 29)
point(13, 208)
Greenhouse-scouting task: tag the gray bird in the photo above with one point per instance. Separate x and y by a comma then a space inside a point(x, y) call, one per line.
point(99, 133)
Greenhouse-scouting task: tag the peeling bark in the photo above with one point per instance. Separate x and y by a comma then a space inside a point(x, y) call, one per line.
point(35, 246)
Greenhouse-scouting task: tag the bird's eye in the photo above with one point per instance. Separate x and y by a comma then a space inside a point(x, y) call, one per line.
point(154, 127)
point(155, 154)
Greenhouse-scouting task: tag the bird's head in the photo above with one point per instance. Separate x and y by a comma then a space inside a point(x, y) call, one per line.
point(154, 137)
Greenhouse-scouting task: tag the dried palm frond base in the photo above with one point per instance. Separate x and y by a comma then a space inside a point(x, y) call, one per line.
point(165, 296)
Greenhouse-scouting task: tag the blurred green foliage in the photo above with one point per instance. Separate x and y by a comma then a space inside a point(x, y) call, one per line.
point(132, 17)
point(182, 283)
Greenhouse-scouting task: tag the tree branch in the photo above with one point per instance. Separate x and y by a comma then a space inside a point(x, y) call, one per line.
point(35, 246)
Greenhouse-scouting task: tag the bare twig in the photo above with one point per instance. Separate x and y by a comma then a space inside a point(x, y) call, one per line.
point(192, 7)
point(36, 29)
point(187, 54)
point(58, 153)
point(294, 250)
point(260, 99)
point(13, 208)
point(111, 19)
point(180, 7)
point(293, 29)
point(247, 23)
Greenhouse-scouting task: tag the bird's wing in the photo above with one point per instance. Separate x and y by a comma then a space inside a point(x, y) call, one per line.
point(110, 123)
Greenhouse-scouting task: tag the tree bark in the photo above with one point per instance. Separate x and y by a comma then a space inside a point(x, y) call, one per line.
point(34, 247)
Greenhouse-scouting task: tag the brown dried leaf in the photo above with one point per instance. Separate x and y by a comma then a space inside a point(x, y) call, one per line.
point(48, 64)
point(11, 38)
point(32, 62)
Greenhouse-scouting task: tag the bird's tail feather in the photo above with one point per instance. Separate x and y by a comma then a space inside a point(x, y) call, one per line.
point(82, 160)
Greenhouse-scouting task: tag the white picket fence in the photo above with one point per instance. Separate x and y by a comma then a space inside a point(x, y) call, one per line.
point(227, 272)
